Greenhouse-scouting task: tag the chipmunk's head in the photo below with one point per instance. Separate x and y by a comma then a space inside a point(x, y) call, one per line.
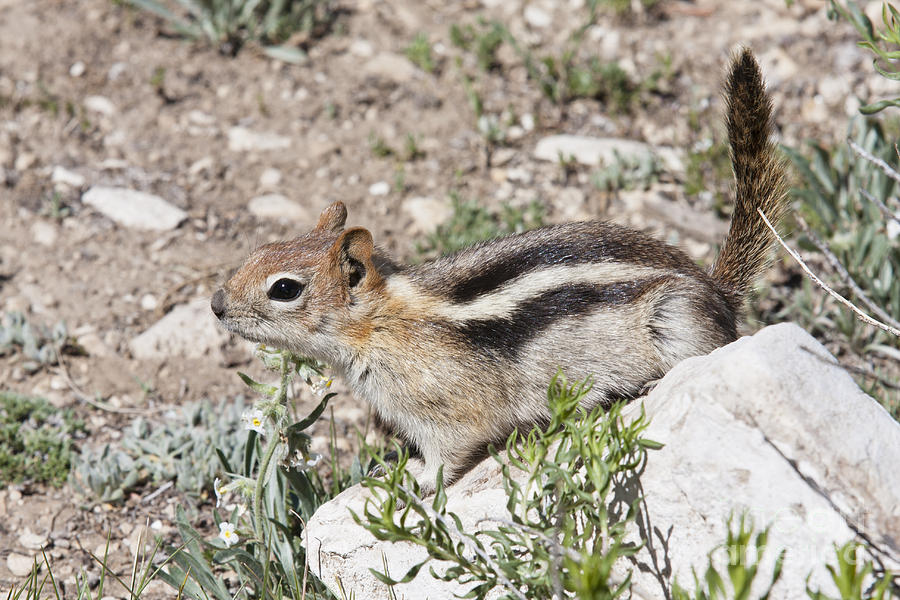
point(296, 294)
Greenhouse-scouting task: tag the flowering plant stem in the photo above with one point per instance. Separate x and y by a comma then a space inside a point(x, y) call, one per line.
point(258, 518)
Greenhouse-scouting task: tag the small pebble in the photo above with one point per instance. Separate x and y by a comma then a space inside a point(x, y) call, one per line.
point(77, 69)
point(381, 188)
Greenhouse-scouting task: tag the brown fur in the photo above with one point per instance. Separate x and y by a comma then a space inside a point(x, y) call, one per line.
point(457, 353)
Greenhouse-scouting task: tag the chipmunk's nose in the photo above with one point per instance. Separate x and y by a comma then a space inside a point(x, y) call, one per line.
point(217, 304)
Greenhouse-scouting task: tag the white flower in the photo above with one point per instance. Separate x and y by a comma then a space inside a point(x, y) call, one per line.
point(227, 534)
point(321, 386)
point(303, 461)
point(254, 420)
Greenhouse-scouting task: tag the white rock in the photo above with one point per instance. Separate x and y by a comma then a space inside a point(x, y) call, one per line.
point(527, 121)
point(590, 150)
point(116, 70)
point(362, 48)
point(18, 564)
point(769, 424)
point(390, 66)
point(32, 541)
point(100, 104)
point(149, 302)
point(63, 176)
point(241, 139)
point(270, 178)
point(379, 188)
point(189, 330)
point(276, 206)
point(44, 233)
point(132, 208)
point(537, 17)
point(77, 69)
point(519, 175)
point(426, 213)
point(198, 117)
point(24, 161)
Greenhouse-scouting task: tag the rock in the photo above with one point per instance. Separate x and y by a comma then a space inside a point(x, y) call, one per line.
point(598, 151)
point(426, 213)
point(19, 565)
point(65, 177)
point(100, 104)
point(379, 188)
point(770, 424)
point(276, 206)
point(571, 204)
point(198, 117)
point(24, 161)
point(189, 330)
point(537, 17)
point(132, 208)
point(116, 70)
point(270, 178)
point(362, 48)
point(149, 302)
point(833, 89)
point(77, 69)
point(32, 541)
point(519, 175)
point(390, 66)
point(44, 233)
point(241, 139)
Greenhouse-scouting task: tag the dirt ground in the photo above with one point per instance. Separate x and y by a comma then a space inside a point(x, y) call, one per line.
point(162, 122)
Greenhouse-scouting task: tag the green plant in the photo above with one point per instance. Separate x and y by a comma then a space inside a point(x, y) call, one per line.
point(564, 524)
point(856, 579)
point(35, 440)
point(744, 554)
point(842, 196)
point(419, 53)
point(274, 488)
point(380, 147)
point(708, 172)
point(38, 345)
point(230, 24)
point(885, 45)
point(179, 448)
point(471, 223)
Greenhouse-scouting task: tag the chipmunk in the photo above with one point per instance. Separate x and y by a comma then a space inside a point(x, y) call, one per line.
point(456, 353)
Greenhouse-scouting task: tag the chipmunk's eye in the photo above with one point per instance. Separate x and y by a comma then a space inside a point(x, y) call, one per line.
point(285, 290)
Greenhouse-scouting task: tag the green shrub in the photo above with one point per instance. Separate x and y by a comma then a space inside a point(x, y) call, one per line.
point(229, 24)
point(35, 440)
point(564, 524)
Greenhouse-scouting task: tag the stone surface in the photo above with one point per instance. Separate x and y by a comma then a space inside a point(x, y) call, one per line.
point(189, 330)
point(132, 208)
point(241, 139)
point(19, 564)
point(769, 424)
point(380, 188)
point(426, 213)
point(100, 104)
point(32, 541)
point(63, 176)
point(276, 206)
point(44, 233)
point(596, 151)
point(390, 66)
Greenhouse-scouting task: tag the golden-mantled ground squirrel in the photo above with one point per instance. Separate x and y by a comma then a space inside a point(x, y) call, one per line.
point(455, 353)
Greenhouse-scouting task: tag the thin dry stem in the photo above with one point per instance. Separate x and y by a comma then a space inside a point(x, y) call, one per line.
point(886, 168)
point(859, 313)
point(885, 210)
point(844, 275)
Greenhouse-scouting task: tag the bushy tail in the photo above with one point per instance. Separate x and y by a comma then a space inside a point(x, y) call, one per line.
point(759, 175)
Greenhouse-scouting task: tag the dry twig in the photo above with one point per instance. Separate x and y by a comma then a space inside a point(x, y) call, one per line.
point(859, 313)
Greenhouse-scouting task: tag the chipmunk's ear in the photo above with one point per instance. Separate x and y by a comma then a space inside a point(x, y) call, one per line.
point(354, 249)
point(332, 218)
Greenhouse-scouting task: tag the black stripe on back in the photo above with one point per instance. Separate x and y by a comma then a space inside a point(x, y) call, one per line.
point(577, 244)
point(506, 336)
